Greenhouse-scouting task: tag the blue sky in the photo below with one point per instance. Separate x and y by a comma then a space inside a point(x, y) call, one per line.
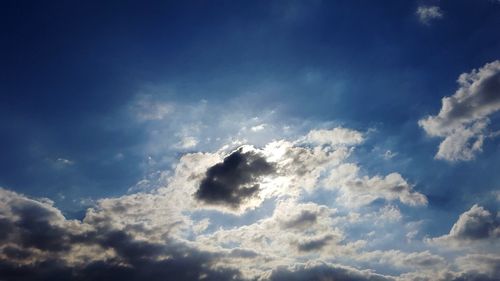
point(378, 122)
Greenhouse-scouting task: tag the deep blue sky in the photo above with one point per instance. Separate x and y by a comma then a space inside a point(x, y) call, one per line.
point(123, 112)
point(69, 71)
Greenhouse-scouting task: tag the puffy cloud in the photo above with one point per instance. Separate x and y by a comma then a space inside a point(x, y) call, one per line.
point(476, 224)
point(463, 118)
point(427, 14)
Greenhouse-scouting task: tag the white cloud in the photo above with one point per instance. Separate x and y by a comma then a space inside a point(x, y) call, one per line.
point(187, 142)
point(463, 118)
point(257, 128)
point(427, 14)
point(333, 137)
point(357, 191)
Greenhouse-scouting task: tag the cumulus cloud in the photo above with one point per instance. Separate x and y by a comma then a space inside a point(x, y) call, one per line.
point(476, 224)
point(245, 214)
point(38, 243)
point(427, 14)
point(464, 116)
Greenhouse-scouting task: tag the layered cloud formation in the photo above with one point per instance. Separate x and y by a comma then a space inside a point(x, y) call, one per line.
point(280, 212)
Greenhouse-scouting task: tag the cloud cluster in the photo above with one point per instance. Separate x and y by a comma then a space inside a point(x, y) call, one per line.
point(464, 116)
point(243, 214)
point(38, 243)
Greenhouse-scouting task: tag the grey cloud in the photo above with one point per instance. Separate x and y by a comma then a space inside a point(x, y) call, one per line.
point(463, 118)
point(304, 219)
point(478, 267)
point(31, 224)
point(243, 253)
point(314, 244)
point(39, 244)
point(183, 265)
point(234, 180)
point(320, 272)
point(15, 253)
point(36, 230)
point(476, 224)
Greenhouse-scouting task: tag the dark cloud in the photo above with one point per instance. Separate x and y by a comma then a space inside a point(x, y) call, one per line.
point(42, 271)
point(135, 260)
point(304, 219)
point(188, 266)
point(143, 262)
point(36, 229)
point(234, 180)
point(243, 253)
point(15, 253)
point(6, 227)
point(36, 241)
point(314, 244)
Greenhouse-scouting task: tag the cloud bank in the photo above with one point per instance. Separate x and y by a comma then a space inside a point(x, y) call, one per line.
point(243, 214)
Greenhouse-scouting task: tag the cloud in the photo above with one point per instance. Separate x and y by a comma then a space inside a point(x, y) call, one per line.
point(359, 191)
point(476, 224)
point(333, 137)
point(221, 215)
point(399, 259)
point(427, 14)
point(234, 180)
point(478, 267)
point(315, 243)
point(187, 142)
point(258, 128)
point(463, 118)
point(38, 243)
point(324, 271)
point(145, 108)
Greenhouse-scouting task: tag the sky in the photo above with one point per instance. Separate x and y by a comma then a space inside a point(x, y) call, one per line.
point(250, 140)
